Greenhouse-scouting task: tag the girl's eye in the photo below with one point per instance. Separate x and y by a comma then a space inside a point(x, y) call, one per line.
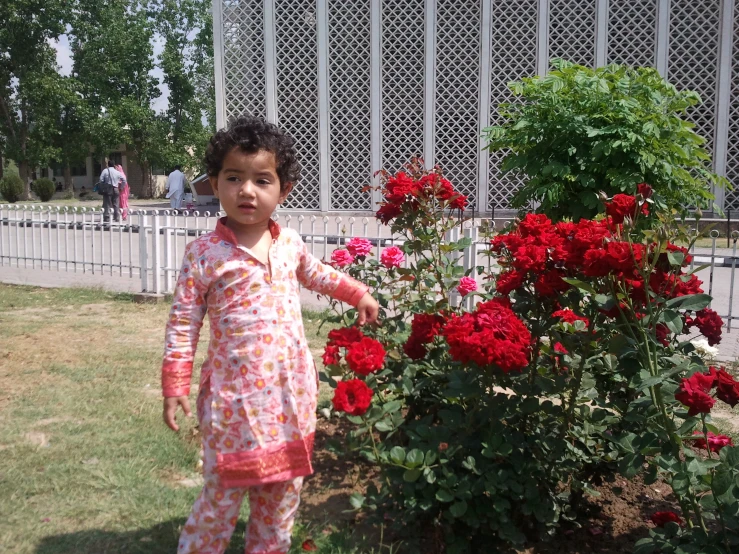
point(232, 179)
point(263, 182)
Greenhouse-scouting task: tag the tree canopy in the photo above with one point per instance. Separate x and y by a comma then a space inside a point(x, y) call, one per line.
point(108, 98)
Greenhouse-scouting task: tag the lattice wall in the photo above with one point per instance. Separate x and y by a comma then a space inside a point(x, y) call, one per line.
point(243, 57)
point(402, 67)
point(732, 168)
point(513, 30)
point(457, 92)
point(297, 92)
point(632, 30)
point(348, 138)
point(349, 105)
point(572, 31)
point(694, 28)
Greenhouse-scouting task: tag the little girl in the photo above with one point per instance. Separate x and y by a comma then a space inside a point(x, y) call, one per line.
point(258, 387)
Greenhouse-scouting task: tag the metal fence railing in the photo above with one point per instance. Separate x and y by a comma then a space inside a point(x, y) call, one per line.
point(149, 245)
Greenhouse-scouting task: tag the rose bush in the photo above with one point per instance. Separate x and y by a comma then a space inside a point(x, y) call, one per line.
point(489, 424)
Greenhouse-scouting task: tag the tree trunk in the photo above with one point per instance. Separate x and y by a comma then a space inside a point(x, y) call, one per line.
point(67, 176)
point(23, 173)
point(2, 166)
point(147, 189)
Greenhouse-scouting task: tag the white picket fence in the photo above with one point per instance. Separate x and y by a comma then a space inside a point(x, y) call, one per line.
point(149, 245)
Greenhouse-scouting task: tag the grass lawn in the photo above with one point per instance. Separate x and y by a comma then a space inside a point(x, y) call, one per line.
point(86, 464)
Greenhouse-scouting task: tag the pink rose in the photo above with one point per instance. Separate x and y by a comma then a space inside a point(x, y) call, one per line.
point(466, 286)
point(359, 247)
point(341, 258)
point(392, 256)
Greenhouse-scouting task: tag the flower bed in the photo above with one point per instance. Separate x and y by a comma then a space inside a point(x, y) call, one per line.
point(491, 424)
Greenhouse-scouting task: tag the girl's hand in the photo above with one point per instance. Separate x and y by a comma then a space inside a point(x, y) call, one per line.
point(170, 409)
point(368, 308)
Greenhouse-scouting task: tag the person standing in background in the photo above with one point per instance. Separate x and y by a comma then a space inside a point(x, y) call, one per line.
point(176, 187)
point(124, 191)
point(110, 179)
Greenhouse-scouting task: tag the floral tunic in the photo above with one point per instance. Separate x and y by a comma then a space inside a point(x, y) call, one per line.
point(259, 376)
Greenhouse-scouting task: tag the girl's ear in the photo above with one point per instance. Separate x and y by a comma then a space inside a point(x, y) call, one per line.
point(284, 191)
point(214, 185)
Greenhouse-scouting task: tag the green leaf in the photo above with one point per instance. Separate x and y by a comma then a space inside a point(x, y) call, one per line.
point(411, 475)
point(681, 484)
point(673, 320)
point(392, 407)
point(722, 482)
point(691, 302)
point(458, 509)
point(631, 465)
point(582, 285)
point(414, 458)
point(356, 500)
point(397, 454)
point(384, 426)
point(443, 495)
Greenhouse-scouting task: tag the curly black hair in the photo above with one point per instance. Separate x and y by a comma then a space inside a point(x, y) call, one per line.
point(251, 134)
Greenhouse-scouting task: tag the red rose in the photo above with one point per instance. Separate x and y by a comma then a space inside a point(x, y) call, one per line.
point(596, 263)
point(346, 336)
point(459, 202)
point(727, 387)
point(366, 356)
point(491, 335)
point(663, 334)
point(709, 323)
point(715, 442)
point(530, 257)
point(568, 316)
point(623, 256)
point(508, 281)
point(414, 349)
point(353, 397)
point(424, 328)
point(550, 283)
point(692, 395)
point(660, 519)
point(624, 205)
point(535, 225)
point(400, 188)
point(645, 190)
point(330, 355)
point(388, 212)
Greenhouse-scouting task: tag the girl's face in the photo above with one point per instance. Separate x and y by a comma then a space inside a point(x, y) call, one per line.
point(248, 187)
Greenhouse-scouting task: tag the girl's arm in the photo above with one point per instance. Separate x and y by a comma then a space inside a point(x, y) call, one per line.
point(314, 275)
point(183, 327)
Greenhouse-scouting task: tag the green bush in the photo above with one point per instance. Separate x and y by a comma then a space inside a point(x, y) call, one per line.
point(11, 187)
point(44, 188)
point(579, 131)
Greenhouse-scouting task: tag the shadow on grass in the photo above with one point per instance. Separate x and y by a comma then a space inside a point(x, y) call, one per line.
point(159, 539)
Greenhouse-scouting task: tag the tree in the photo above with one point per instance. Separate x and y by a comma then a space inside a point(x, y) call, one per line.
point(71, 122)
point(113, 59)
point(28, 77)
point(187, 63)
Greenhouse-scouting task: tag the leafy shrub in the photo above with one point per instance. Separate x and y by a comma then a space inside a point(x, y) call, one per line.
point(489, 423)
point(11, 188)
point(44, 188)
point(579, 131)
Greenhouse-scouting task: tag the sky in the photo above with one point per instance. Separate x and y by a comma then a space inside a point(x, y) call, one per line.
point(64, 60)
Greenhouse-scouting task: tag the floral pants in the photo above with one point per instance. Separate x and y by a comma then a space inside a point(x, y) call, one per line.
point(215, 513)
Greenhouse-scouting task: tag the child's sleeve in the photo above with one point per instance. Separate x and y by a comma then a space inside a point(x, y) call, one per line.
point(314, 275)
point(183, 328)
